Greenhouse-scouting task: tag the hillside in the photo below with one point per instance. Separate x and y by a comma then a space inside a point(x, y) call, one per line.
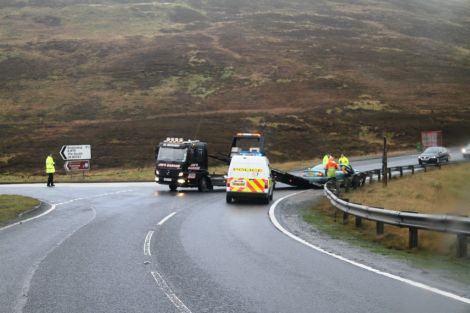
point(314, 76)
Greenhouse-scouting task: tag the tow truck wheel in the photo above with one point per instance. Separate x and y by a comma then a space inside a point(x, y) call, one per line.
point(203, 184)
point(173, 187)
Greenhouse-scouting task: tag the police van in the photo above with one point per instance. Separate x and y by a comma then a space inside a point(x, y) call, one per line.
point(249, 177)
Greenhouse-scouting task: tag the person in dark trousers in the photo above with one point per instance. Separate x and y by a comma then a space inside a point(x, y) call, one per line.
point(50, 170)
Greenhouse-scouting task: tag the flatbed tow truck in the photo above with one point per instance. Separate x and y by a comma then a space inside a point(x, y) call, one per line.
point(185, 163)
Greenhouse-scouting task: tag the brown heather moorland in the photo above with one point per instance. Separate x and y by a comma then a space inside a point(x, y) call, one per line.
point(313, 76)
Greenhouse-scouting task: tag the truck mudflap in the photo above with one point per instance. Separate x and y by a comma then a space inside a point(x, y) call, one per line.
point(293, 180)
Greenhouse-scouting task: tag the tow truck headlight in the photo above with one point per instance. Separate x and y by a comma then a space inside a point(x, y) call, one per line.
point(464, 150)
point(180, 174)
point(157, 173)
point(180, 181)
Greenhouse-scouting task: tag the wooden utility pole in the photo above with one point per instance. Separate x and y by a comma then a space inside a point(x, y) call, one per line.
point(384, 164)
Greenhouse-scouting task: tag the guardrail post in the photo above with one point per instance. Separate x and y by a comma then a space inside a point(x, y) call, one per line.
point(401, 171)
point(461, 246)
point(345, 218)
point(412, 169)
point(337, 186)
point(358, 221)
point(371, 177)
point(413, 238)
point(425, 168)
point(379, 228)
point(389, 174)
point(378, 175)
point(347, 183)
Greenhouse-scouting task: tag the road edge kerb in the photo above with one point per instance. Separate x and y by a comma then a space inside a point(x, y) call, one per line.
point(407, 281)
point(40, 210)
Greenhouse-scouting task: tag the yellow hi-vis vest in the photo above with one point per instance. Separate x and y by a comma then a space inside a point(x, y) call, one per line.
point(343, 161)
point(50, 165)
point(326, 158)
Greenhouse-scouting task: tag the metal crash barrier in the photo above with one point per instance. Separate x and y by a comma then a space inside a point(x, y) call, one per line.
point(447, 223)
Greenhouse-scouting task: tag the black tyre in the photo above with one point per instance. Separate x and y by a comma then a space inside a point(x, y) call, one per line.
point(356, 181)
point(266, 199)
point(228, 198)
point(173, 187)
point(203, 184)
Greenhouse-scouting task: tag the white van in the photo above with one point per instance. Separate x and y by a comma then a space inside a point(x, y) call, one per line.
point(249, 176)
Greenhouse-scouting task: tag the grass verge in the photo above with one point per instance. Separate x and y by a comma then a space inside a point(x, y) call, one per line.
point(146, 174)
point(12, 205)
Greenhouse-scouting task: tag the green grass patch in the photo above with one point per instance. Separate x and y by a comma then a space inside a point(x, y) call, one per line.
point(367, 103)
point(12, 205)
point(107, 175)
point(436, 192)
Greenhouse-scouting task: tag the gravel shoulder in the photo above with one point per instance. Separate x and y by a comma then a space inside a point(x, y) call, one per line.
point(290, 215)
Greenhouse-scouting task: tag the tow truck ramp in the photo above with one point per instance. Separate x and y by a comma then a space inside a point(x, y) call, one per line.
point(293, 180)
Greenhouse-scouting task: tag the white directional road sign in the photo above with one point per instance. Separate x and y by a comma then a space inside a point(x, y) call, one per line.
point(76, 152)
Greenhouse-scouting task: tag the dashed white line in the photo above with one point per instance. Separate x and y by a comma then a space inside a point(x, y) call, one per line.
point(147, 241)
point(182, 308)
point(166, 218)
point(276, 223)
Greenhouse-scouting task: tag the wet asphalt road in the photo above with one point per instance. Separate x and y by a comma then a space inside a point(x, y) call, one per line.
point(117, 248)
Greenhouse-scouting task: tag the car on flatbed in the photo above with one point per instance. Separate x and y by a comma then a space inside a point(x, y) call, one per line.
point(434, 155)
point(317, 174)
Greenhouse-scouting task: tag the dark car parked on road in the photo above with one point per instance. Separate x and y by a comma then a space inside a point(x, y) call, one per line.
point(434, 155)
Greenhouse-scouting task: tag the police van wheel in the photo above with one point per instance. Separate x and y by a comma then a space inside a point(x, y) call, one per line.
point(228, 198)
point(203, 184)
point(173, 187)
point(266, 199)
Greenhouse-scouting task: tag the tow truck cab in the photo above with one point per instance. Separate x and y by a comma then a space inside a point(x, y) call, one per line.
point(182, 163)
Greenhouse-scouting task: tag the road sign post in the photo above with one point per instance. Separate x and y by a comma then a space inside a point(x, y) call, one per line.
point(384, 163)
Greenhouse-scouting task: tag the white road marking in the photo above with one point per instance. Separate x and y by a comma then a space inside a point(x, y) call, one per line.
point(182, 308)
point(360, 265)
point(23, 298)
point(166, 218)
point(54, 206)
point(31, 218)
point(148, 238)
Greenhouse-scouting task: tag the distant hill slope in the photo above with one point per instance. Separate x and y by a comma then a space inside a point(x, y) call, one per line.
point(314, 76)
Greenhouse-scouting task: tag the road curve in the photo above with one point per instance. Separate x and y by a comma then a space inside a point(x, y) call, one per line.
point(139, 248)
